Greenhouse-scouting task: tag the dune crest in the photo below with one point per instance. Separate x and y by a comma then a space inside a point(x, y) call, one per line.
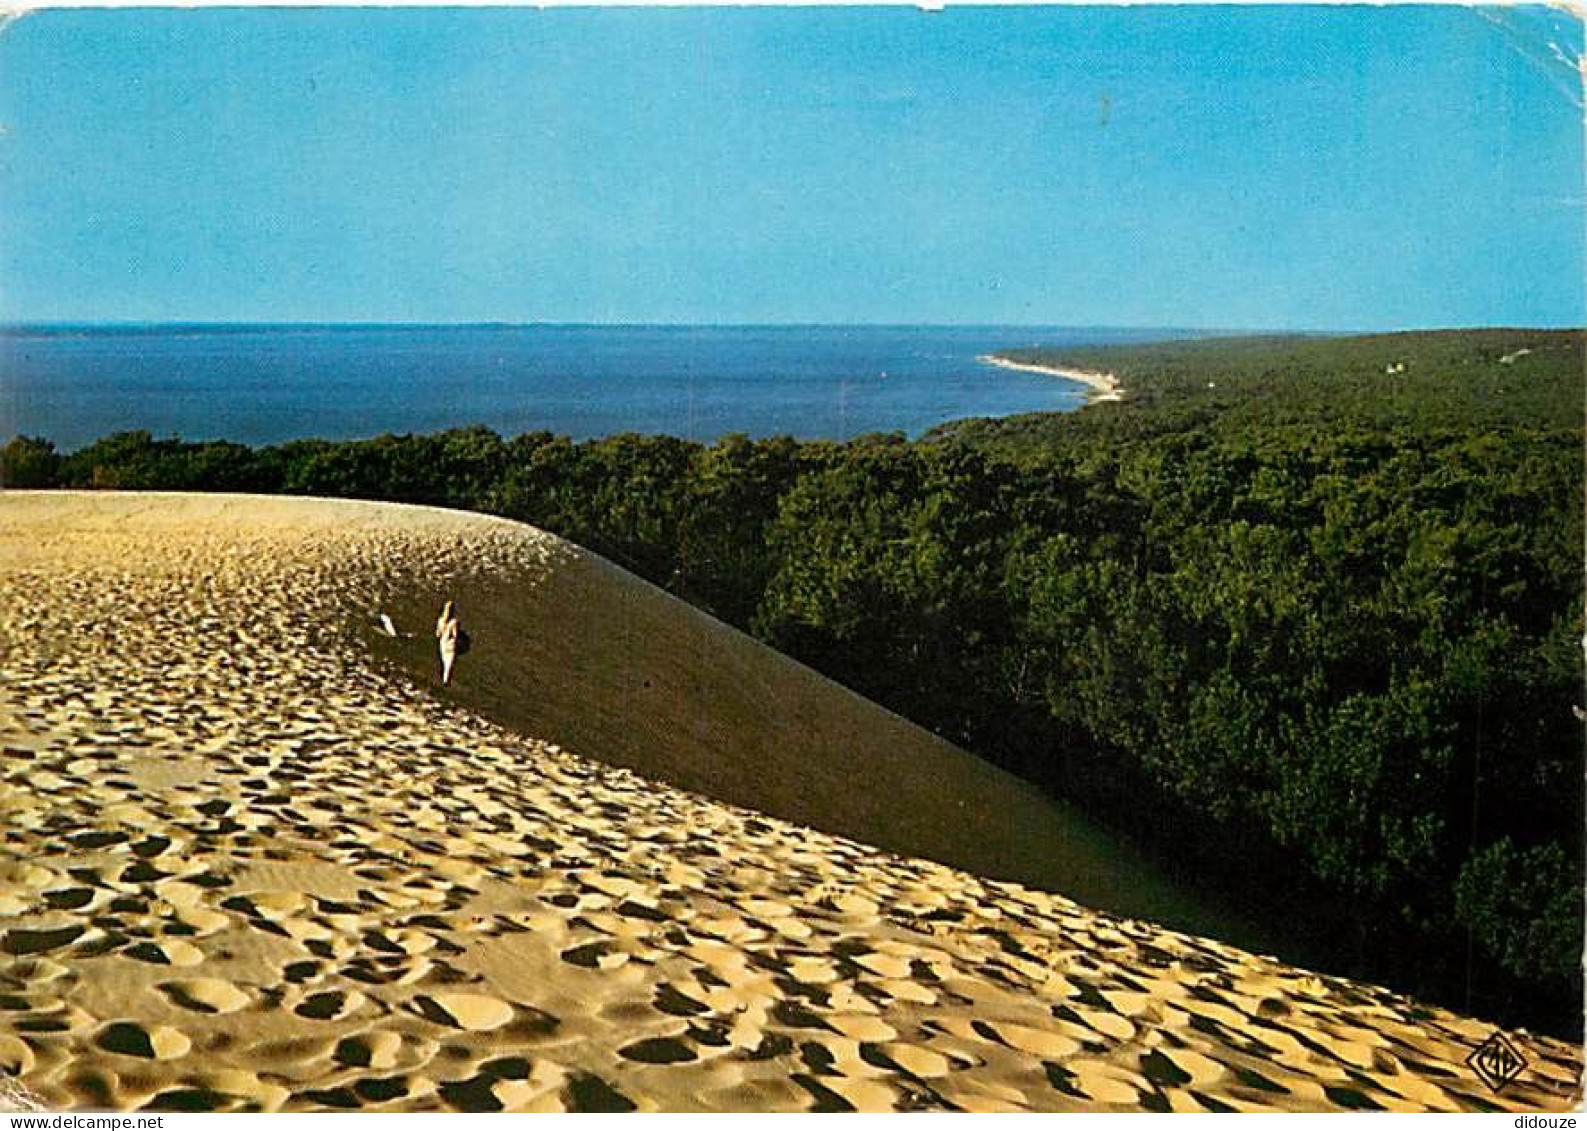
point(244, 866)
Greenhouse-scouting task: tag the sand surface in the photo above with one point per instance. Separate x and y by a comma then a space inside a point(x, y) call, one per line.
point(1103, 386)
point(244, 865)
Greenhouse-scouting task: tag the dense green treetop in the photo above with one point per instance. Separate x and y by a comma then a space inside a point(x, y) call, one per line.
point(1426, 382)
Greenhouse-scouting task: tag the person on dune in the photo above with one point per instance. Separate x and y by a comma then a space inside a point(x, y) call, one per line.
point(450, 639)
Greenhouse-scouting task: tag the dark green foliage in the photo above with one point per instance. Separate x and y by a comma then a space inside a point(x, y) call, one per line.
point(136, 461)
point(1525, 906)
point(1305, 614)
point(734, 489)
point(889, 578)
point(28, 462)
point(1346, 618)
point(456, 469)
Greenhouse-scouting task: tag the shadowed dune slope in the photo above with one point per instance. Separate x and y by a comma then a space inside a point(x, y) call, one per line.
point(589, 656)
point(244, 867)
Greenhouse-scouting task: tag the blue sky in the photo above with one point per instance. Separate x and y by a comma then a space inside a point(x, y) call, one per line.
point(1327, 168)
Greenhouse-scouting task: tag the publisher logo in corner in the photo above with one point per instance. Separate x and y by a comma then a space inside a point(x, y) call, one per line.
point(1497, 1062)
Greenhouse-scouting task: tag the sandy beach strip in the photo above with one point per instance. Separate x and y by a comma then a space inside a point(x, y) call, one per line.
point(245, 866)
point(1103, 386)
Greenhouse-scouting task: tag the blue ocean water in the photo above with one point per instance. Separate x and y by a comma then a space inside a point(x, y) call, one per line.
point(269, 384)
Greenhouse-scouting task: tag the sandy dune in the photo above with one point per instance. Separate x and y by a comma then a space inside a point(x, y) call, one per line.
point(244, 865)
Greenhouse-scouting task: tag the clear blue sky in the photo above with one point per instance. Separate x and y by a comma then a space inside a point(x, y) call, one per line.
point(1218, 167)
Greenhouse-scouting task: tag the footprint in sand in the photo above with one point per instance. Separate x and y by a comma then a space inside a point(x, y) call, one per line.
point(69, 899)
point(381, 1049)
point(884, 965)
point(330, 1005)
point(473, 1012)
point(206, 995)
point(16, 1056)
point(167, 952)
point(862, 1027)
point(202, 920)
point(1103, 1082)
point(132, 1038)
point(917, 1060)
point(658, 1050)
point(21, 941)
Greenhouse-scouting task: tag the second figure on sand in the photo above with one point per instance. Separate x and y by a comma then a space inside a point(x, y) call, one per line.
point(450, 638)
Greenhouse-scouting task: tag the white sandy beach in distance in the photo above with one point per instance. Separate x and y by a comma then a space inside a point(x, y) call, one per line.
point(245, 863)
point(1103, 386)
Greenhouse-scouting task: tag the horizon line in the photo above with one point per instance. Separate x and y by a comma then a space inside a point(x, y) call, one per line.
point(7, 325)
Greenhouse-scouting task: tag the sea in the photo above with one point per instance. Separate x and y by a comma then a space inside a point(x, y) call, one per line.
point(267, 384)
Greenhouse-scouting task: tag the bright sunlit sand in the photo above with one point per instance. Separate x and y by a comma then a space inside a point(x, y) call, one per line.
point(252, 861)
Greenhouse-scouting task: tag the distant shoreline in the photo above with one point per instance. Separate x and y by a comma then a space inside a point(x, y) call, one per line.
point(75, 388)
point(1103, 386)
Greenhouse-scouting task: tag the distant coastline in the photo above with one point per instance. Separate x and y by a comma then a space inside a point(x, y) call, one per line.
point(260, 384)
point(1103, 386)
